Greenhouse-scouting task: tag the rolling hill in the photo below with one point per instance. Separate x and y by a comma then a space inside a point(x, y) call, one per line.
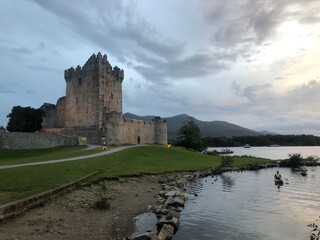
point(208, 129)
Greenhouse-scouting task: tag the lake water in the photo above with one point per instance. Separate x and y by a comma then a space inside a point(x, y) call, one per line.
point(248, 206)
point(274, 153)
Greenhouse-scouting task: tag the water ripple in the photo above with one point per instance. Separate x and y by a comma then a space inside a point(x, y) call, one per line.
point(249, 206)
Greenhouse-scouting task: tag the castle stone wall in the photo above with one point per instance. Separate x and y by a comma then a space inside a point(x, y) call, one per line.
point(144, 132)
point(50, 115)
point(92, 108)
point(92, 90)
point(92, 135)
point(60, 113)
point(23, 140)
point(138, 132)
point(82, 98)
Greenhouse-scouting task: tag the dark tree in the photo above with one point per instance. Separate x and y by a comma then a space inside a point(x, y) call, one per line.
point(190, 137)
point(25, 119)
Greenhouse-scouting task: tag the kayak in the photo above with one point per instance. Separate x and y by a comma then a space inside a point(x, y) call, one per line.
point(278, 181)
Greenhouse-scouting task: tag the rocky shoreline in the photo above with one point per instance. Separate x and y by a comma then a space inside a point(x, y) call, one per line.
point(171, 200)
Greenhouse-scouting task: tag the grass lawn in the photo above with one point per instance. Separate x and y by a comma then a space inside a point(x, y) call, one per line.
point(17, 183)
point(9, 157)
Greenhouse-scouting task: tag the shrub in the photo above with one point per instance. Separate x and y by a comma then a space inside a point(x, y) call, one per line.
point(295, 160)
point(311, 160)
point(226, 161)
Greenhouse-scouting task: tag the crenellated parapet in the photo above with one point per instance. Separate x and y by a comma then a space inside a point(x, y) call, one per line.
point(97, 65)
point(118, 73)
point(92, 107)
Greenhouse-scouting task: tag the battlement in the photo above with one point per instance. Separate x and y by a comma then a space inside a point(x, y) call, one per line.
point(95, 64)
point(92, 108)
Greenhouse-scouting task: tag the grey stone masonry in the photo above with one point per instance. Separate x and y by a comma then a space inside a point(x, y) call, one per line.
point(92, 107)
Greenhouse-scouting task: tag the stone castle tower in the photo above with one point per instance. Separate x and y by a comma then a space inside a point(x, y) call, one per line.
point(92, 108)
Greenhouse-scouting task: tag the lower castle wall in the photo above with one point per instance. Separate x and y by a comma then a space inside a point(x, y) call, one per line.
point(24, 140)
point(91, 135)
point(138, 132)
point(116, 131)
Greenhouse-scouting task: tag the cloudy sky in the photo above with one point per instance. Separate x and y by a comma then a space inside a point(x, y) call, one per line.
point(254, 63)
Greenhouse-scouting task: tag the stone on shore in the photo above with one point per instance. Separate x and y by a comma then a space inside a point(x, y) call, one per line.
point(166, 232)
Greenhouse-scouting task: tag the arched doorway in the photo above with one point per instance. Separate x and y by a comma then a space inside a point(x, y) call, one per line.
point(139, 140)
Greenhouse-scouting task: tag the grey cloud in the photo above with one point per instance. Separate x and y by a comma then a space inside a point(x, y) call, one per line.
point(30, 92)
point(113, 26)
point(93, 22)
point(305, 97)
point(295, 111)
point(21, 50)
point(310, 19)
point(16, 53)
point(261, 100)
point(7, 91)
point(256, 92)
point(195, 66)
point(218, 12)
point(44, 68)
point(254, 22)
point(124, 33)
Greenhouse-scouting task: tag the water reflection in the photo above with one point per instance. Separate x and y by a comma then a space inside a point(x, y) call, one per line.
point(249, 205)
point(227, 182)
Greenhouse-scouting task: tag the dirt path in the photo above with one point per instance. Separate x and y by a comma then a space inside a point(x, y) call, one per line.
point(74, 216)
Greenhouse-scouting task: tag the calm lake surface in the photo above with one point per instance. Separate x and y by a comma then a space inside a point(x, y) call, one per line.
point(274, 153)
point(248, 206)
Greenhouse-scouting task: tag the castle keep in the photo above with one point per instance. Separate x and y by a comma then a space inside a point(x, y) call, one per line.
point(92, 108)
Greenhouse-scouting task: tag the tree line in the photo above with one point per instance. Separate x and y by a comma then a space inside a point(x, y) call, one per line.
point(263, 140)
point(190, 137)
point(25, 119)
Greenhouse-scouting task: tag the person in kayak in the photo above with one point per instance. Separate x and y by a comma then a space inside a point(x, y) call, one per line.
point(304, 169)
point(277, 176)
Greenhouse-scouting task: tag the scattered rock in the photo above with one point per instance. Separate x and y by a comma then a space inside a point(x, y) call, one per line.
point(145, 236)
point(166, 232)
point(174, 222)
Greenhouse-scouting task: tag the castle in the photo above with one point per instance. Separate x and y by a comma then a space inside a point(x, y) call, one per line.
point(92, 108)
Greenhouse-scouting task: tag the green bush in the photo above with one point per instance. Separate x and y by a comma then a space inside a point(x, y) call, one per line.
point(295, 160)
point(226, 161)
point(311, 160)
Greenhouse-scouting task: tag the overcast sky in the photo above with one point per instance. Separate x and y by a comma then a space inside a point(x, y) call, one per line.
point(254, 63)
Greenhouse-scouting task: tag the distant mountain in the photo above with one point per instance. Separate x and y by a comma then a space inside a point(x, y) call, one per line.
point(208, 129)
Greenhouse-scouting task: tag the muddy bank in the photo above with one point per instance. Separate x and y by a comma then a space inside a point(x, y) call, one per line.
point(100, 211)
